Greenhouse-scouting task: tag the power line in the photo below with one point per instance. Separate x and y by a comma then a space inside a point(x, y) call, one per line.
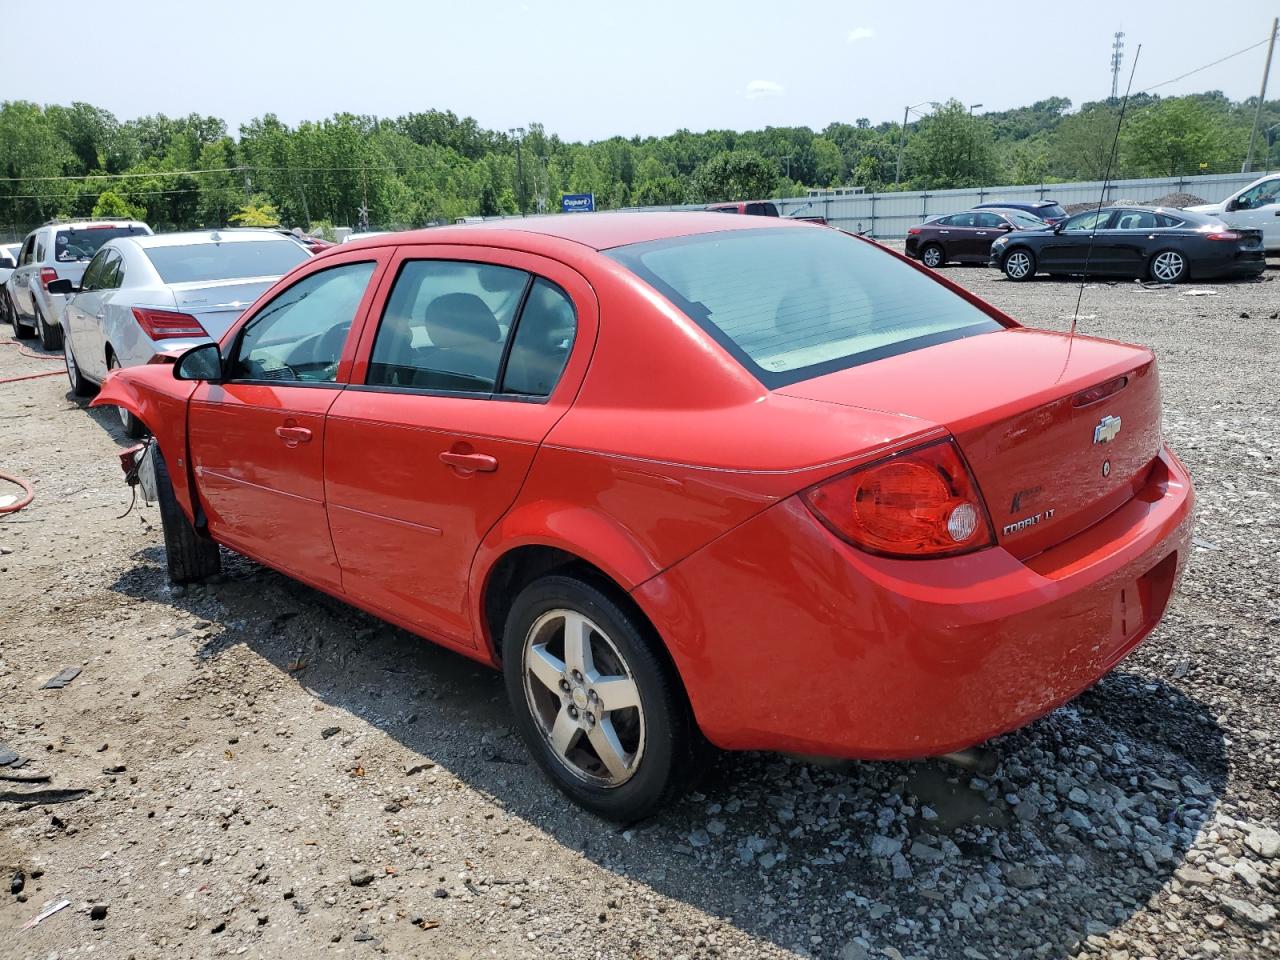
point(1230, 56)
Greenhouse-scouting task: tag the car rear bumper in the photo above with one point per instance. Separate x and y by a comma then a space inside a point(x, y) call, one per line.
point(912, 247)
point(1245, 264)
point(789, 639)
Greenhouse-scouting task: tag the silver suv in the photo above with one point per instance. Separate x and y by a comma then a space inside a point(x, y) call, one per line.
point(59, 250)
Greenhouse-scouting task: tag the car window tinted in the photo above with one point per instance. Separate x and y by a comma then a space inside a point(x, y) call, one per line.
point(762, 209)
point(963, 220)
point(1054, 210)
point(299, 335)
point(445, 326)
point(199, 262)
point(75, 243)
point(988, 220)
point(543, 339)
point(39, 251)
point(1164, 220)
point(28, 251)
point(110, 276)
point(93, 273)
point(1094, 219)
point(1135, 220)
point(794, 304)
point(1261, 195)
point(1025, 220)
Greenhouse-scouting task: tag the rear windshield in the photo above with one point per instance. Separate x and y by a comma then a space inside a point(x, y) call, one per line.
point(1025, 220)
point(198, 262)
point(75, 243)
point(1054, 210)
point(791, 304)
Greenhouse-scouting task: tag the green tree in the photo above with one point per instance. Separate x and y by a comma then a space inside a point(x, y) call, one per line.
point(1083, 141)
point(950, 148)
point(112, 206)
point(1183, 136)
point(257, 213)
point(734, 175)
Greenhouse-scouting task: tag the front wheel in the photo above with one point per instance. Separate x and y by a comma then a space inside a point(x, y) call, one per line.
point(190, 556)
point(1020, 264)
point(1168, 266)
point(80, 387)
point(599, 707)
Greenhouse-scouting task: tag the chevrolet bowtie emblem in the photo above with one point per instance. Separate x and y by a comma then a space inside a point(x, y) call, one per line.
point(1106, 430)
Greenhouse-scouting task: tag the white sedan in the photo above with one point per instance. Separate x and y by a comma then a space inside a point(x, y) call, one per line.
point(141, 296)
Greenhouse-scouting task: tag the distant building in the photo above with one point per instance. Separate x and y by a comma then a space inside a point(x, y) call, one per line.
point(835, 192)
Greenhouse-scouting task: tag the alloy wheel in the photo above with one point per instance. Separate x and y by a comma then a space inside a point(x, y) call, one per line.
point(1017, 265)
point(1168, 266)
point(584, 698)
point(932, 257)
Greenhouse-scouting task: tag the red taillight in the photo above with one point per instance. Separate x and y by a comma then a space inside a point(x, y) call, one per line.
point(913, 231)
point(48, 275)
point(922, 503)
point(167, 324)
point(1222, 235)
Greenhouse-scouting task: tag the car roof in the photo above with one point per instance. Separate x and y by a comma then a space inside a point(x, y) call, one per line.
point(599, 231)
point(94, 224)
point(1016, 204)
point(189, 237)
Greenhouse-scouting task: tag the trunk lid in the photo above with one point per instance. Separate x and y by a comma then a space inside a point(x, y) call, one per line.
point(1058, 433)
point(218, 304)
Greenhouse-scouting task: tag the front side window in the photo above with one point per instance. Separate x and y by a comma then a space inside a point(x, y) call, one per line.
point(299, 335)
point(1259, 196)
point(446, 325)
point(28, 252)
point(793, 304)
point(1093, 220)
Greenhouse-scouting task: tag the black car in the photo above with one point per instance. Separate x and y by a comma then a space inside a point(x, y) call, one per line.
point(1145, 242)
point(1050, 211)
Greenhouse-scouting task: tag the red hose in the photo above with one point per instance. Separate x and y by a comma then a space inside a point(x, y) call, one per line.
point(32, 376)
point(23, 351)
point(26, 486)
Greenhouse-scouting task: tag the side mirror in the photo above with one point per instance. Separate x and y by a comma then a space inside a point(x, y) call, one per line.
point(62, 285)
point(1006, 227)
point(1237, 203)
point(201, 362)
point(1058, 227)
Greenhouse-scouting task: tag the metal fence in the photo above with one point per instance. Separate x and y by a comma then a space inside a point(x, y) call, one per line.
point(888, 215)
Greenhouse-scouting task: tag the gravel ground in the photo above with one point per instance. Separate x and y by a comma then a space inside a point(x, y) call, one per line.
point(274, 774)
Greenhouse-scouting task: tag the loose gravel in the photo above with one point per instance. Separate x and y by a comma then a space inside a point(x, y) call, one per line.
point(273, 774)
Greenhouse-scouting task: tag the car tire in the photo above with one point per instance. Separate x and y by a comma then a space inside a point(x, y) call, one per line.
point(932, 256)
point(50, 336)
point(190, 556)
point(80, 387)
point(20, 330)
point(134, 428)
point(561, 716)
point(1168, 266)
point(1019, 264)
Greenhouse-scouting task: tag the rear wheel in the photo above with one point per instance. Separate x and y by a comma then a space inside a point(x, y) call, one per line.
point(20, 329)
point(932, 256)
point(50, 335)
point(1168, 266)
point(133, 427)
point(601, 710)
point(190, 556)
point(1020, 264)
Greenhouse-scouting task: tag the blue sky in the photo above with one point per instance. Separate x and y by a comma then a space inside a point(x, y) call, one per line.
point(592, 70)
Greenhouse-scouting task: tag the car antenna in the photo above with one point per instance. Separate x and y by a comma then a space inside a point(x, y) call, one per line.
point(1106, 182)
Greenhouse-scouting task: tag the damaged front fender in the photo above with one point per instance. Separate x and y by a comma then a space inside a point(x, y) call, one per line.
point(159, 401)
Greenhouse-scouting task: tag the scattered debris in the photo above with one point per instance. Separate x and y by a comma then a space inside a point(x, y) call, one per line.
point(17, 883)
point(411, 768)
point(1198, 292)
point(1204, 544)
point(43, 796)
point(361, 877)
point(46, 913)
point(62, 679)
point(328, 732)
point(7, 756)
point(98, 911)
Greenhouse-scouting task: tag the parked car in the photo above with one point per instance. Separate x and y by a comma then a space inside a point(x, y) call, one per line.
point(1050, 211)
point(59, 250)
point(313, 244)
point(965, 237)
point(1256, 207)
point(1145, 242)
point(682, 476)
point(143, 295)
point(8, 261)
point(753, 208)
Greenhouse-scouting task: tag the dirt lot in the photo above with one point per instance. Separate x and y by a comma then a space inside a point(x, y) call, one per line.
point(273, 774)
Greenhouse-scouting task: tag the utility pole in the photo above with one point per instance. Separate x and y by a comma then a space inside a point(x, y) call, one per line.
point(1117, 55)
point(902, 140)
point(516, 134)
point(1257, 113)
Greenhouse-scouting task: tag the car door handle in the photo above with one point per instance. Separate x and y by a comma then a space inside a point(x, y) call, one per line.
point(982, 233)
point(480, 462)
point(944, 231)
point(294, 435)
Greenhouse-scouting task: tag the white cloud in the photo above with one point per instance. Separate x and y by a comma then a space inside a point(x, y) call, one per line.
point(760, 89)
point(859, 33)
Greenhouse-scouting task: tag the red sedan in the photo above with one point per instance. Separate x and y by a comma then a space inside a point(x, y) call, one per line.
point(684, 475)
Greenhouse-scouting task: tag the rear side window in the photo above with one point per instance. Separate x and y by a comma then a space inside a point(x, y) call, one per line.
point(544, 337)
point(1135, 220)
point(81, 243)
point(446, 325)
point(1164, 220)
point(792, 304)
point(989, 220)
point(200, 262)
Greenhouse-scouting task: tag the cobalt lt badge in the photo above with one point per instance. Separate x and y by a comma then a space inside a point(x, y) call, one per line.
point(1107, 430)
point(1106, 468)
